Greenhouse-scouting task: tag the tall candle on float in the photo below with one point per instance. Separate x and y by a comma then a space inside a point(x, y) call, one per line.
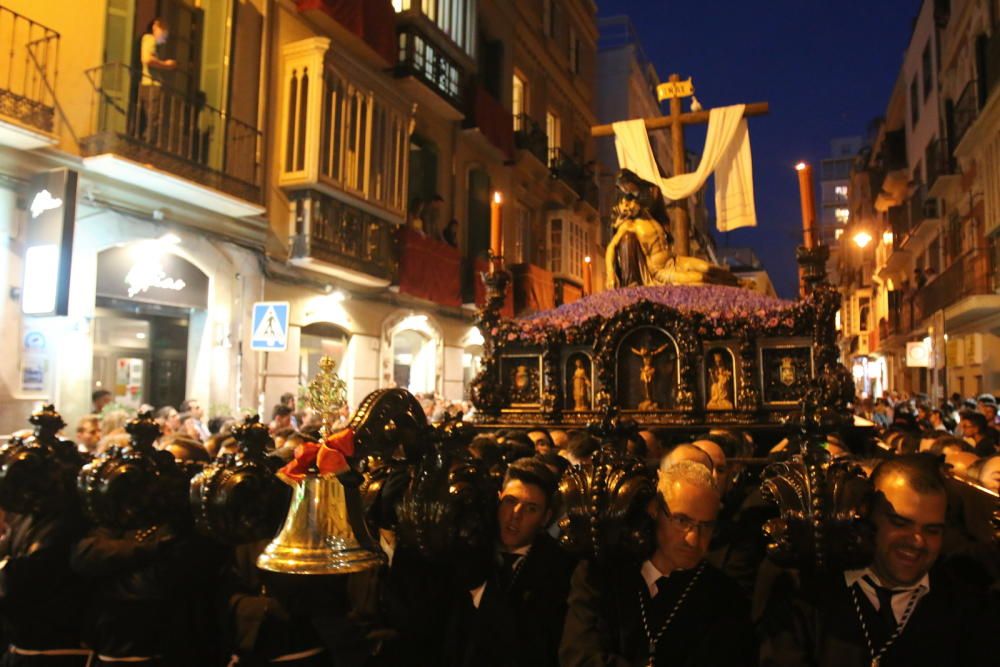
point(808, 205)
point(496, 226)
point(588, 279)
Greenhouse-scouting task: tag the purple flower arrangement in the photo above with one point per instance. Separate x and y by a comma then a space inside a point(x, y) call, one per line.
point(717, 311)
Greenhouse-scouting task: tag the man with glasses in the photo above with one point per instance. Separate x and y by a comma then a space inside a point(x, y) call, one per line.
point(671, 609)
point(900, 609)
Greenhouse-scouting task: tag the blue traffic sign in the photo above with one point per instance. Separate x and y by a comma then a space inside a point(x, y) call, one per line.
point(270, 326)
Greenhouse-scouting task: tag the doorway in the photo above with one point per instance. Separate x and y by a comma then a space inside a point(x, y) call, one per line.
point(140, 356)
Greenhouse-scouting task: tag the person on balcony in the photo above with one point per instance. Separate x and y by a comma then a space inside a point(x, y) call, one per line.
point(154, 64)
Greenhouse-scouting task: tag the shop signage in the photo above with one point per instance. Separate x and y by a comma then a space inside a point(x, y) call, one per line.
point(270, 326)
point(918, 355)
point(147, 273)
point(49, 247)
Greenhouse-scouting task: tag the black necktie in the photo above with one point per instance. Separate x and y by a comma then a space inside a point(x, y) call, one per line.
point(508, 571)
point(885, 613)
point(661, 586)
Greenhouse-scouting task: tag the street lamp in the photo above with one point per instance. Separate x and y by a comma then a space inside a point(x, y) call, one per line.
point(862, 238)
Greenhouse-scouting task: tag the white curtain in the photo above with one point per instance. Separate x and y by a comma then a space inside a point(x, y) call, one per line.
point(727, 154)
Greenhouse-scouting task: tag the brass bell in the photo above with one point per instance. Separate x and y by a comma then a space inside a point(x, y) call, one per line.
point(318, 536)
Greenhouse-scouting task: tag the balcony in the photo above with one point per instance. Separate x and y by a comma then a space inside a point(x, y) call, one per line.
point(434, 77)
point(530, 137)
point(372, 22)
point(169, 142)
point(487, 116)
point(574, 174)
point(534, 289)
point(966, 110)
point(924, 216)
point(942, 170)
point(28, 68)
point(428, 269)
point(968, 276)
point(341, 240)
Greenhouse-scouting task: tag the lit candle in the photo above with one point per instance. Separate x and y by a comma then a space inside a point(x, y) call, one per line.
point(808, 205)
point(588, 279)
point(496, 226)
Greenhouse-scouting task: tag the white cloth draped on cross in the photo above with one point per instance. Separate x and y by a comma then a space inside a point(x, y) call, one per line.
point(727, 154)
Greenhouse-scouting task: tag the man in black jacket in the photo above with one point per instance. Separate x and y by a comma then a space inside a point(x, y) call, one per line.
point(672, 609)
point(900, 610)
point(515, 617)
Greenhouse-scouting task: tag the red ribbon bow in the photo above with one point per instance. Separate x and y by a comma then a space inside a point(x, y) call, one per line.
point(330, 457)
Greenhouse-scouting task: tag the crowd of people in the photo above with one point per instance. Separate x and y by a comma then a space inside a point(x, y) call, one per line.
point(704, 592)
point(965, 431)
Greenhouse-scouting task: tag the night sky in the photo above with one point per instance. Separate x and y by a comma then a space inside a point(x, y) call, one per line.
point(827, 68)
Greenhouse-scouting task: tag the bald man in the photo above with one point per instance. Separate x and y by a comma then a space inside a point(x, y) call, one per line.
point(900, 609)
point(687, 452)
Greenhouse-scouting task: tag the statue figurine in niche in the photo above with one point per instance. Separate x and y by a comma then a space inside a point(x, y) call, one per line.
point(647, 374)
point(581, 387)
point(720, 382)
point(524, 388)
point(641, 250)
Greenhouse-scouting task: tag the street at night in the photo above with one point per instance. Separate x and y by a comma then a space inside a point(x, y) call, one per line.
point(500, 333)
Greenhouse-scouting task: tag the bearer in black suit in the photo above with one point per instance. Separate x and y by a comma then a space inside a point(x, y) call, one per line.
point(672, 609)
point(900, 610)
point(515, 617)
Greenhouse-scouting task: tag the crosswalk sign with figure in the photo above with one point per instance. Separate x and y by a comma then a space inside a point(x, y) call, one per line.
point(270, 326)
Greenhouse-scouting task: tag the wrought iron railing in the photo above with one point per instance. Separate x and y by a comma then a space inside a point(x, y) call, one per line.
point(967, 276)
point(966, 110)
point(331, 231)
point(420, 57)
point(939, 160)
point(574, 173)
point(530, 136)
point(171, 130)
point(29, 58)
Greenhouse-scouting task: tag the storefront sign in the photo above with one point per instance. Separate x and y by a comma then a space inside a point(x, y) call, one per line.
point(918, 355)
point(148, 273)
point(49, 246)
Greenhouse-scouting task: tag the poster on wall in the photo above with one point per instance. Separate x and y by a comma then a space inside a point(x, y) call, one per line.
point(34, 363)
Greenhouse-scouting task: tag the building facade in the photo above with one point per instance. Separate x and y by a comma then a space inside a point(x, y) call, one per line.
point(929, 307)
point(337, 155)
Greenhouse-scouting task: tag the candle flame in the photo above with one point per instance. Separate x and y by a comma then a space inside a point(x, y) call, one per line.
point(496, 197)
point(800, 166)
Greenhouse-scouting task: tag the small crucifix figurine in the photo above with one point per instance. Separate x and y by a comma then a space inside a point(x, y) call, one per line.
point(647, 373)
point(674, 90)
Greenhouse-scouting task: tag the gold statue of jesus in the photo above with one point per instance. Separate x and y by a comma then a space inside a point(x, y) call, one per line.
point(647, 374)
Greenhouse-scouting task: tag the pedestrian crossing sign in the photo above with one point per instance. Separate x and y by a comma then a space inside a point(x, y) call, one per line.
point(270, 326)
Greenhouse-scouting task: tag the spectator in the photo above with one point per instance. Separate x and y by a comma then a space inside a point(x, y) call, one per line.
point(431, 216)
point(976, 431)
point(987, 404)
point(88, 434)
point(281, 418)
point(288, 398)
point(936, 420)
point(414, 215)
point(450, 233)
point(580, 446)
point(99, 400)
point(542, 440)
point(113, 422)
point(195, 413)
point(169, 420)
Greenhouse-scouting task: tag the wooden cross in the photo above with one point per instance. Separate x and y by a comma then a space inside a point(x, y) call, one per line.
point(676, 122)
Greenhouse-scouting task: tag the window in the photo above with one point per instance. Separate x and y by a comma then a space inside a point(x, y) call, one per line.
point(549, 17)
point(837, 233)
point(519, 102)
point(914, 102)
point(928, 71)
point(553, 130)
point(863, 314)
point(363, 143)
point(522, 236)
point(456, 18)
point(840, 192)
point(574, 51)
point(567, 246)
point(842, 215)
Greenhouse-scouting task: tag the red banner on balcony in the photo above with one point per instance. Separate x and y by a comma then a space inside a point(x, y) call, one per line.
point(374, 21)
point(429, 269)
point(534, 289)
point(479, 290)
point(495, 122)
